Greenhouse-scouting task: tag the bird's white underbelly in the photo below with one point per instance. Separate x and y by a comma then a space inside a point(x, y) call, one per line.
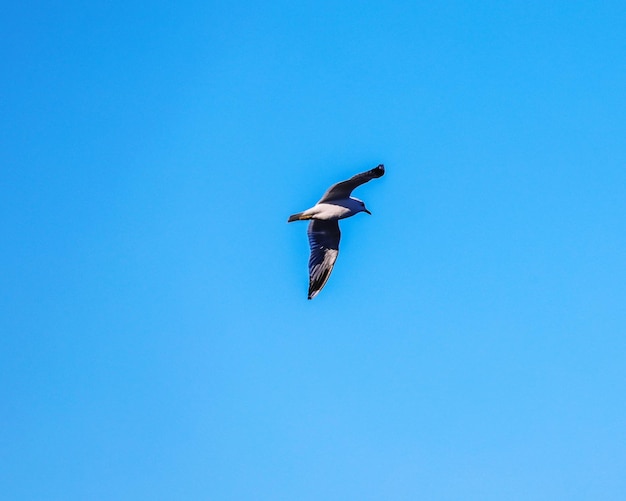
point(329, 212)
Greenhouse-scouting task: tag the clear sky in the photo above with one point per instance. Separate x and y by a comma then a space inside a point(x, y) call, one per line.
point(156, 340)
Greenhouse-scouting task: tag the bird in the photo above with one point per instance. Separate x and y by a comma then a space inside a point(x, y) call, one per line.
point(323, 230)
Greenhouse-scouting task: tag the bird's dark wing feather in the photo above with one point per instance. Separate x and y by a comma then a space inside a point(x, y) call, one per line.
point(324, 242)
point(344, 188)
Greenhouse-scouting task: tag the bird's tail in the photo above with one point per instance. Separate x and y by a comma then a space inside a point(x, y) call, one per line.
point(297, 217)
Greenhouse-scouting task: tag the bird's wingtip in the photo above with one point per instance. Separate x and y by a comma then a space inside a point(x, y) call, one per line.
point(376, 172)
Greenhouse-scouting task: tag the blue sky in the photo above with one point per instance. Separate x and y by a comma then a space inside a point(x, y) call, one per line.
point(157, 342)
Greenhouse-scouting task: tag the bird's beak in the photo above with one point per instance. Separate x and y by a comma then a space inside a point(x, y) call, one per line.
point(365, 210)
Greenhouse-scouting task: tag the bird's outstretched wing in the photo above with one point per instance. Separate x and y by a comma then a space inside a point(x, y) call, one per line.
point(344, 188)
point(324, 242)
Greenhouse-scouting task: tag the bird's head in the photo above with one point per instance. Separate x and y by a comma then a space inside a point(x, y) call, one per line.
point(360, 206)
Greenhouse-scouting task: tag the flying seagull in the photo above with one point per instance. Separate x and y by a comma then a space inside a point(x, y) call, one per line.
point(323, 229)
